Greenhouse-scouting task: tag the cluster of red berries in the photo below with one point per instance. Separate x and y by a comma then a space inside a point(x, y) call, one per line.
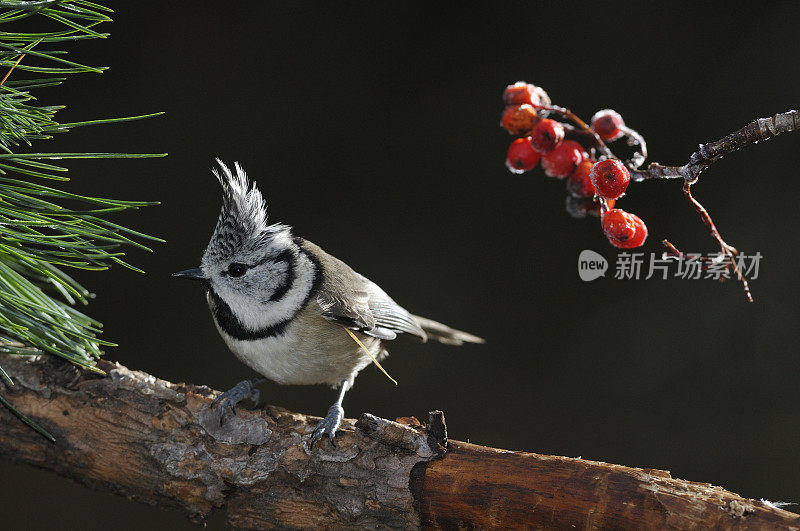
point(593, 186)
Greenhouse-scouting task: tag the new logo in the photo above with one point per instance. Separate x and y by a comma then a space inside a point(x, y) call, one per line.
point(591, 265)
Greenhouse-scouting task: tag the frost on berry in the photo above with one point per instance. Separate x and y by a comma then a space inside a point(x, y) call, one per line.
point(617, 224)
point(563, 160)
point(521, 157)
point(610, 178)
point(519, 119)
point(579, 184)
point(607, 124)
point(520, 93)
point(623, 230)
point(546, 135)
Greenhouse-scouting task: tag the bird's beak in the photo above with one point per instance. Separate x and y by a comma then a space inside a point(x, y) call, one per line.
point(192, 274)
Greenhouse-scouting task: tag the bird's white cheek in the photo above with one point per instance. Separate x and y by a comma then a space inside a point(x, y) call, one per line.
point(255, 314)
point(249, 311)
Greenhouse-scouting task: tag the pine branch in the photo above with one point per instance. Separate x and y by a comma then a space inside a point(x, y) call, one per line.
point(44, 229)
point(160, 443)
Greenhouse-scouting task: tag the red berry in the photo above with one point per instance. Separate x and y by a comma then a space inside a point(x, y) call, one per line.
point(519, 93)
point(521, 157)
point(546, 135)
point(519, 119)
point(607, 123)
point(610, 178)
point(579, 183)
point(617, 224)
point(563, 160)
point(623, 230)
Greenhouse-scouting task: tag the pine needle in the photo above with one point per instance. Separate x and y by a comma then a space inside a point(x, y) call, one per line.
point(38, 429)
point(44, 229)
point(6, 377)
point(11, 69)
point(365, 349)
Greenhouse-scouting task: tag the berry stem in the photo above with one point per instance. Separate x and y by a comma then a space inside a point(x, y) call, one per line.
point(582, 126)
point(635, 139)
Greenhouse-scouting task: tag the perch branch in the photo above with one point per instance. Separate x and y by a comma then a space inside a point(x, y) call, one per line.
point(159, 443)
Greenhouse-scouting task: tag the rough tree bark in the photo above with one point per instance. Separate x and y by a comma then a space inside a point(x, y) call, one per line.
point(159, 443)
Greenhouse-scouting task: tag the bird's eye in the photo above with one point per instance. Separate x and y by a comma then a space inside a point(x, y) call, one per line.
point(236, 270)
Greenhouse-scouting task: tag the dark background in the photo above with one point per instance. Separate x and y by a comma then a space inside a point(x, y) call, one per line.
point(373, 130)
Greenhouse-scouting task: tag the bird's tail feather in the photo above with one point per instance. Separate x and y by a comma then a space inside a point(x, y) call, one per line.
point(445, 334)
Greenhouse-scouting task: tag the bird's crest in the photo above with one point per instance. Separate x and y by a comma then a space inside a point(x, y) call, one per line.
point(242, 223)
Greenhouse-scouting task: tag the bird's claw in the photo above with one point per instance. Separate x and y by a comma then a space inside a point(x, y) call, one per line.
point(329, 425)
point(241, 391)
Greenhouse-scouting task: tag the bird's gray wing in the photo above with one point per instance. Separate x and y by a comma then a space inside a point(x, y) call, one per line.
point(351, 300)
point(391, 316)
point(368, 309)
point(347, 309)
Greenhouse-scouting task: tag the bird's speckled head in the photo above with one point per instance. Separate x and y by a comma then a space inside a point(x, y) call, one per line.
point(242, 223)
point(244, 244)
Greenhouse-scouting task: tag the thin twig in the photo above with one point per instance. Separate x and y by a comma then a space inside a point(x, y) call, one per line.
point(756, 131)
point(728, 252)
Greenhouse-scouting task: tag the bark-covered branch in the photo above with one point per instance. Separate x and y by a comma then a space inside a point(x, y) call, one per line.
point(756, 131)
point(159, 443)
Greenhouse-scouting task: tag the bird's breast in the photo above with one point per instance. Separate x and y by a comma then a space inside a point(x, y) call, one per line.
point(309, 350)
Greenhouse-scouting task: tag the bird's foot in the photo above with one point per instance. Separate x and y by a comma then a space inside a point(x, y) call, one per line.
point(328, 425)
point(241, 391)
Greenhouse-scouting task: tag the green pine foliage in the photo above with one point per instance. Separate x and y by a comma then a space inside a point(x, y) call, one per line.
point(43, 229)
